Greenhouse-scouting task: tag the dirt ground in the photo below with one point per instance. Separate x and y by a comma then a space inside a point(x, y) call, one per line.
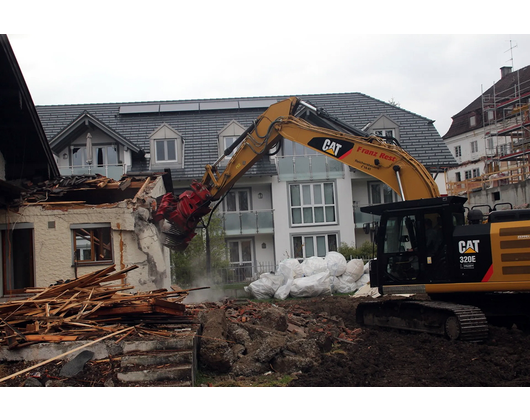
point(354, 356)
point(384, 358)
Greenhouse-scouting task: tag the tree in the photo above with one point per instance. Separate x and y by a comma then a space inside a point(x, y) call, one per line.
point(394, 102)
point(190, 265)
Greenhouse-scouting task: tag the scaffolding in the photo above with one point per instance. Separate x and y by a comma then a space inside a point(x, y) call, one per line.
point(506, 127)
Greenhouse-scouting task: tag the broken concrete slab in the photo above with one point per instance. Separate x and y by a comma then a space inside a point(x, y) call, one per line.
point(76, 365)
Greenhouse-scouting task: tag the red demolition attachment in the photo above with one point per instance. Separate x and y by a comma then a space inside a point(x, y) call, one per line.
point(178, 216)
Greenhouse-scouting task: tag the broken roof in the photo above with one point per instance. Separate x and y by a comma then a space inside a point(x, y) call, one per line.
point(87, 189)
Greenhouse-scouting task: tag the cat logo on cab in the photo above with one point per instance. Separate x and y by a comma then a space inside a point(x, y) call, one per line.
point(469, 249)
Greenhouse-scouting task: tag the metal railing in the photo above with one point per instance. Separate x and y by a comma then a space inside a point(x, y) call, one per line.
point(110, 171)
point(246, 272)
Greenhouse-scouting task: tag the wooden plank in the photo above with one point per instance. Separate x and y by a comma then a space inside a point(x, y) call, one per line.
point(141, 190)
point(125, 184)
point(50, 338)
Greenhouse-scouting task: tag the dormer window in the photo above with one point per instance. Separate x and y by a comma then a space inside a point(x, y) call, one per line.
point(228, 141)
point(166, 147)
point(384, 133)
point(472, 121)
point(228, 135)
point(384, 127)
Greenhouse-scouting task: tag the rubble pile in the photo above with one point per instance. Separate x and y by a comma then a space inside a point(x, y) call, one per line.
point(313, 277)
point(258, 337)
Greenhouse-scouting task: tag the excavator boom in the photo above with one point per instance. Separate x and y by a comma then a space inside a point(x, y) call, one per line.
point(179, 216)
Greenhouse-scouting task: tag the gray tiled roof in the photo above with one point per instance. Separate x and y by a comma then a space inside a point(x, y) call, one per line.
point(200, 129)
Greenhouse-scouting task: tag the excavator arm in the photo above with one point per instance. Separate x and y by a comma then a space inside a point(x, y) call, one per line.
point(179, 216)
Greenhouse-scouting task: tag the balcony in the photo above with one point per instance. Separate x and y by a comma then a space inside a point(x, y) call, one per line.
point(308, 168)
point(361, 218)
point(248, 222)
point(110, 171)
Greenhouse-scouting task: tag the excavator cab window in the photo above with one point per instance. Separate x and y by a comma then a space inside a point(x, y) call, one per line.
point(401, 248)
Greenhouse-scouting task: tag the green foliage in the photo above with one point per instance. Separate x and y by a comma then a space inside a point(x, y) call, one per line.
point(366, 251)
point(191, 265)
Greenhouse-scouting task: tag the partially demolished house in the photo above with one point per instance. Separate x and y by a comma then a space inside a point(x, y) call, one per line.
point(55, 227)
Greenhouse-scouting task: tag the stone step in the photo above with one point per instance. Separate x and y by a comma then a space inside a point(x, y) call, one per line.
point(158, 358)
point(177, 374)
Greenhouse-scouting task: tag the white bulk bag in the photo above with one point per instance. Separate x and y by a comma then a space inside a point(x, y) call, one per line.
point(355, 269)
point(290, 268)
point(265, 286)
point(315, 285)
point(343, 284)
point(336, 263)
point(313, 265)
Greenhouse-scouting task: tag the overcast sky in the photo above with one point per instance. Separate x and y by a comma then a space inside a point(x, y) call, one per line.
point(274, 48)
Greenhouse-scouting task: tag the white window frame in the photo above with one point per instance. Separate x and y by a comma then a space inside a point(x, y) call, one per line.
point(474, 146)
point(458, 151)
point(157, 160)
point(472, 121)
point(476, 172)
point(468, 174)
point(314, 204)
point(301, 249)
point(384, 132)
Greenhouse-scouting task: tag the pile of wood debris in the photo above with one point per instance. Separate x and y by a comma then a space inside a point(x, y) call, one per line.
point(90, 306)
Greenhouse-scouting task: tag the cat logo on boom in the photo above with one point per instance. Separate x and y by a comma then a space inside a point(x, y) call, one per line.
point(334, 147)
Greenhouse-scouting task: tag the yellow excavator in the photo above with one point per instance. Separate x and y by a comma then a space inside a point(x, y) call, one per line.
point(472, 268)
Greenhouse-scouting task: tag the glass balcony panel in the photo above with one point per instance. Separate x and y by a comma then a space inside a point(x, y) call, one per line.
point(265, 222)
point(248, 222)
point(318, 167)
point(304, 168)
point(232, 224)
point(362, 218)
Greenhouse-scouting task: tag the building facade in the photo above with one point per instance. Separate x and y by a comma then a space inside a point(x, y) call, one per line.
point(490, 138)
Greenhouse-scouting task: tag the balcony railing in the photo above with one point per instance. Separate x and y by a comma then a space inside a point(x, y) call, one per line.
point(307, 168)
point(110, 171)
point(361, 218)
point(248, 222)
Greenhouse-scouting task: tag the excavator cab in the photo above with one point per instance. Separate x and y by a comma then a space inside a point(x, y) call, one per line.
point(413, 238)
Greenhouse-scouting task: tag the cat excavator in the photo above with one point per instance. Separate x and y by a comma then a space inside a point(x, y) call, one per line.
point(469, 267)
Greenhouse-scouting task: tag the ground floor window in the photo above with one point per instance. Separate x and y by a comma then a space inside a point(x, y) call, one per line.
point(18, 268)
point(92, 243)
point(305, 246)
point(241, 258)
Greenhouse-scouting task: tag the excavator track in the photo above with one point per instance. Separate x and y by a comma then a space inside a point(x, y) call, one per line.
point(457, 322)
